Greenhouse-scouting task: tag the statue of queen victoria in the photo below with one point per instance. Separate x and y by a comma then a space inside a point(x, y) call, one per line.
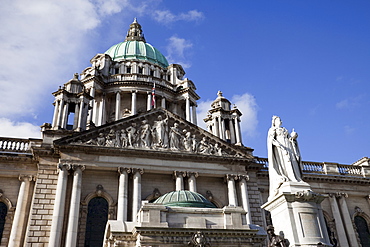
point(283, 156)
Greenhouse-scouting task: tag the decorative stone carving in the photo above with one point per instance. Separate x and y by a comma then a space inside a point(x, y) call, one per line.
point(154, 132)
point(131, 135)
point(199, 240)
point(145, 134)
point(283, 156)
point(175, 137)
point(160, 132)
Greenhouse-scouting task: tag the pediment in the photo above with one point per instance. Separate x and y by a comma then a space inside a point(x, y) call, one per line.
point(157, 130)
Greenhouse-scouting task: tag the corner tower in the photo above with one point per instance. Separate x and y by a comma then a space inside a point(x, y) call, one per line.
point(131, 77)
point(224, 121)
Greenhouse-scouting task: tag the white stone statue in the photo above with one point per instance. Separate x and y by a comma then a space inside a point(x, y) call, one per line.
point(160, 131)
point(283, 156)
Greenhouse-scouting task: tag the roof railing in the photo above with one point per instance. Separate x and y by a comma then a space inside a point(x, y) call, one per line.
point(326, 168)
point(18, 145)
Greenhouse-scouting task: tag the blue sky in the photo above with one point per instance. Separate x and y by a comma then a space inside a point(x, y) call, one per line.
point(305, 61)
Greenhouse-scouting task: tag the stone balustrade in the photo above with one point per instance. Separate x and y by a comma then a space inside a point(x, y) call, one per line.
point(326, 168)
point(18, 145)
point(139, 77)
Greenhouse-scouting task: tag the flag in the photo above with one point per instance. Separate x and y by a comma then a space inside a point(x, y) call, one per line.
point(153, 96)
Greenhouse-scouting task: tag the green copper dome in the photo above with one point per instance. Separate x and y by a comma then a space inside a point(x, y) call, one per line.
point(135, 47)
point(137, 50)
point(184, 198)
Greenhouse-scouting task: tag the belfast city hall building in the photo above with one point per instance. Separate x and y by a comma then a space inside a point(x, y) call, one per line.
point(123, 163)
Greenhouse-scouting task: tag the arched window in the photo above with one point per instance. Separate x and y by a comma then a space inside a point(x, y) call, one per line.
point(97, 217)
point(363, 230)
point(3, 212)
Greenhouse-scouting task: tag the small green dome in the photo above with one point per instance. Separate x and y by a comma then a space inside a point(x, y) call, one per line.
point(184, 198)
point(137, 50)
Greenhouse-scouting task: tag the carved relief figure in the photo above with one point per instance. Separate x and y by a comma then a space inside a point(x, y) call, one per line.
point(187, 141)
point(100, 140)
point(175, 137)
point(131, 134)
point(194, 143)
point(145, 133)
point(204, 146)
point(123, 138)
point(160, 132)
point(111, 140)
point(283, 156)
point(217, 149)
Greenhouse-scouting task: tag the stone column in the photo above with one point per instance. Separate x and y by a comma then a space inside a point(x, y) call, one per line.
point(163, 103)
point(20, 211)
point(232, 131)
point(187, 109)
point(216, 130)
point(55, 116)
point(348, 224)
point(60, 114)
point(149, 101)
point(136, 194)
point(102, 110)
point(237, 131)
point(192, 181)
point(178, 175)
point(133, 102)
point(230, 179)
point(122, 193)
point(223, 130)
point(65, 115)
point(194, 111)
point(245, 197)
point(76, 116)
point(80, 115)
point(221, 133)
point(92, 105)
point(339, 225)
point(74, 209)
point(118, 106)
point(59, 205)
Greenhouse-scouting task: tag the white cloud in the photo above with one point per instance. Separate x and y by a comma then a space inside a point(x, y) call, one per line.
point(202, 112)
point(39, 43)
point(167, 17)
point(350, 103)
point(176, 49)
point(246, 103)
point(18, 129)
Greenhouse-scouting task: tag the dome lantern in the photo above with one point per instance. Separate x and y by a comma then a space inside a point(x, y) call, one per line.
point(135, 33)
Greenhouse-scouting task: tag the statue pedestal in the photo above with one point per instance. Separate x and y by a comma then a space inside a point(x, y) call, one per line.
point(298, 215)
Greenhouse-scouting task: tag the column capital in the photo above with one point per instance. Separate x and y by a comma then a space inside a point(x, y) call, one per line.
point(338, 195)
point(28, 178)
point(137, 170)
point(231, 177)
point(134, 91)
point(177, 174)
point(122, 170)
point(75, 167)
point(243, 177)
point(195, 174)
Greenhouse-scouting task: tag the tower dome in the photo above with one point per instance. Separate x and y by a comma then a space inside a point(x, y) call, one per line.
point(184, 198)
point(135, 47)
